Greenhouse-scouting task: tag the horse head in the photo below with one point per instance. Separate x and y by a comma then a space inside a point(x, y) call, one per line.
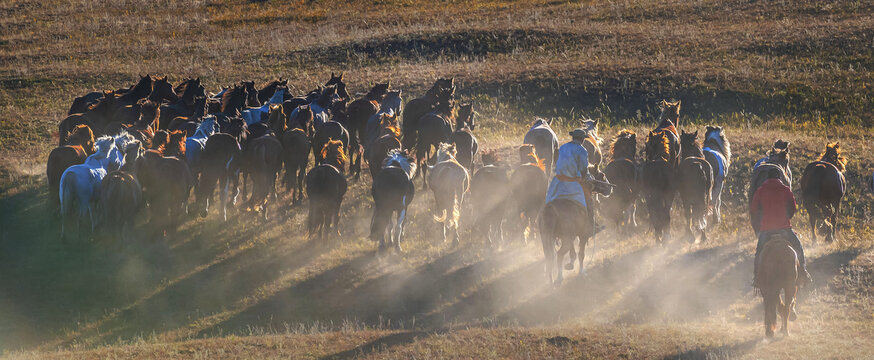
point(335, 79)
point(832, 155)
point(714, 137)
point(104, 145)
point(379, 91)
point(670, 111)
point(251, 94)
point(388, 125)
point(175, 145)
point(276, 119)
point(333, 154)
point(658, 146)
point(303, 119)
point(402, 159)
point(465, 117)
point(689, 144)
point(163, 90)
point(83, 136)
point(234, 99)
point(446, 152)
point(624, 145)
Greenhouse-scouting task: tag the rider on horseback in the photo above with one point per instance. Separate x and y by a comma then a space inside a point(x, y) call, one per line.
point(572, 179)
point(772, 206)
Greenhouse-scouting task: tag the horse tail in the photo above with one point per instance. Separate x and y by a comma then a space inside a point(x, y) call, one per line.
point(456, 212)
point(442, 217)
point(68, 188)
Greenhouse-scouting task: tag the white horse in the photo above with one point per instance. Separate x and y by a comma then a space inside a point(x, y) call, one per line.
point(80, 183)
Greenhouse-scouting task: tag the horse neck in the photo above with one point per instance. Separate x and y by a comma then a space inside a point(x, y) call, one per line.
point(691, 151)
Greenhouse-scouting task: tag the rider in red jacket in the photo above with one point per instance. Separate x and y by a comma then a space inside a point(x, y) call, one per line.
point(772, 206)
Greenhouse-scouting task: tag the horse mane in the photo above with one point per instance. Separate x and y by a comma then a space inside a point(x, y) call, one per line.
point(333, 154)
point(446, 152)
point(161, 138)
point(722, 143)
point(122, 140)
point(104, 145)
point(658, 138)
point(83, 136)
point(490, 157)
point(832, 155)
point(624, 145)
point(234, 97)
point(175, 144)
point(689, 144)
point(388, 122)
point(401, 159)
point(528, 155)
point(276, 119)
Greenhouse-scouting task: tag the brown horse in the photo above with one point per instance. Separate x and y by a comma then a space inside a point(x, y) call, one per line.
point(389, 138)
point(96, 117)
point(81, 144)
point(267, 90)
point(167, 183)
point(432, 130)
point(823, 187)
point(393, 191)
point(296, 151)
point(778, 270)
point(219, 163)
point(356, 120)
point(622, 171)
point(562, 221)
point(326, 187)
point(449, 181)
point(442, 90)
point(465, 143)
point(695, 185)
point(175, 145)
point(528, 185)
point(778, 157)
point(121, 199)
point(489, 190)
point(657, 181)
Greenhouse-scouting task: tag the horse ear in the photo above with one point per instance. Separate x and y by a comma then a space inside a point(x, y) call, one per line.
point(388, 83)
point(341, 76)
point(549, 121)
point(664, 103)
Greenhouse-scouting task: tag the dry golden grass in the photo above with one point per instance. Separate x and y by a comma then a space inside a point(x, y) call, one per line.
point(765, 70)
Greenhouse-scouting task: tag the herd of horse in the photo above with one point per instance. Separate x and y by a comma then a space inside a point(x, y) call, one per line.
point(148, 146)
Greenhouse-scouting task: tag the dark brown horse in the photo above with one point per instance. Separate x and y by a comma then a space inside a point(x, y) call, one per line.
point(778, 157)
point(388, 140)
point(268, 89)
point(622, 171)
point(562, 221)
point(823, 187)
point(262, 159)
point(121, 199)
point(96, 117)
point(442, 90)
point(175, 145)
point(166, 183)
point(528, 186)
point(326, 187)
point(392, 192)
point(695, 185)
point(296, 151)
point(465, 143)
point(490, 191)
point(432, 130)
point(658, 183)
point(220, 163)
point(778, 271)
point(356, 121)
point(81, 144)
point(449, 181)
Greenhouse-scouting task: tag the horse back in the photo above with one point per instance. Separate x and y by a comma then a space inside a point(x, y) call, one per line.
point(324, 182)
point(392, 188)
point(778, 265)
point(656, 177)
point(565, 219)
point(822, 182)
point(448, 176)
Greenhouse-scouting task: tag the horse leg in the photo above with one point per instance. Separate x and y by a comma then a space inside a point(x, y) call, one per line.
point(812, 218)
point(836, 208)
point(399, 227)
point(583, 241)
point(573, 255)
point(224, 184)
point(301, 174)
point(769, 299)
point(566, 246)
point(786, 307)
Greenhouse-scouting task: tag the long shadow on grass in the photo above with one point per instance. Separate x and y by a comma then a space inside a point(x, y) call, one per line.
point(717, 352)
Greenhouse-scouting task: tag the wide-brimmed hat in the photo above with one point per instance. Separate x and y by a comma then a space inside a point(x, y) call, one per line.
point(579, 133)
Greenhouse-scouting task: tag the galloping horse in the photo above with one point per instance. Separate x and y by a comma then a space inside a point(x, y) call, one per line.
point(778, 157)
point(262, 159)
point(545, 143)
point(296, 151)
point(449, 181)
point(80, 184)
point(717, 151)
point(695, 185)
point(528, 186)
point(96, 117)
point(220, 163)
point(822, 187)
point(393, 191)
point(81, 144)
point(622, 172)
point(489, 190)
point(359, 111)
point(443, 90)
point(326, 186)
point(563, 221)
point(433, 129)
point(658, 181)
point(778, 270)
point(389, 139)
point(465, 143)
point(391, 106)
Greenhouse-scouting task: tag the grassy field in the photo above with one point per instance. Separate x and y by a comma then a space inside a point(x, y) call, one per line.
point(797, 70)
